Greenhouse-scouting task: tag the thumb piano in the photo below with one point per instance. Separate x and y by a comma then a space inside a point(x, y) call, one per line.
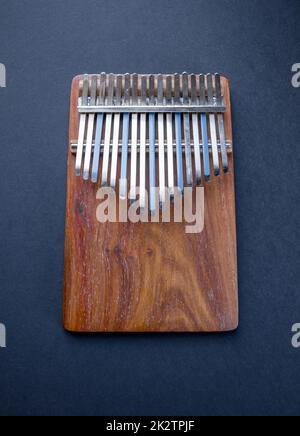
point(148, 154)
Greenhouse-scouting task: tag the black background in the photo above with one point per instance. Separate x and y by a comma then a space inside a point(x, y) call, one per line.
point(47, 371)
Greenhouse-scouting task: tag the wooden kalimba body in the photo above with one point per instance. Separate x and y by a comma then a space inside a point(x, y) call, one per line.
point(146, 138)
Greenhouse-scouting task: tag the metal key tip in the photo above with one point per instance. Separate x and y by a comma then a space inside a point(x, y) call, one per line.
point(94, 177)
point(123, 189)
point(85, 175)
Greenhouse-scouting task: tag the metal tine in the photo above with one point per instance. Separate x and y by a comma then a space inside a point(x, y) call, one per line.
point(213, 127)
point(116, 134)
point(203, 118)
point(98, 134)
point(143, 138)
point(170, 137)
point(134, 135)
point(82, 123)
point(187, 132)
point(221, 124)
point(125, 137)
point(161, 141)
point(90, 131)
point(152, 169)
point(195, 123)
point(177, 100)
point(108, 128)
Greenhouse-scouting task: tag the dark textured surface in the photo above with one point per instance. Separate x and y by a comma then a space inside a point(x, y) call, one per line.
point(47, 371)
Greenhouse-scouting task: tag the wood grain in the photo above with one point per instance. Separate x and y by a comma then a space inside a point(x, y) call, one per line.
point(126, 277)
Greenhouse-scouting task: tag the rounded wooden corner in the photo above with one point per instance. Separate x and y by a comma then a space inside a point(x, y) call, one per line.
point(234, 327)
point(225, 77)
point(76, 78)
point(75, 82)
point(68, 328)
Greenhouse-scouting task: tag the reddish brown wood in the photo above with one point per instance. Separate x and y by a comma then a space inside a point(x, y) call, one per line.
point(149, 277)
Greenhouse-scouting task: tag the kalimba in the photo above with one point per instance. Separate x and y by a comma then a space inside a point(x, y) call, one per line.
point(147, 140)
